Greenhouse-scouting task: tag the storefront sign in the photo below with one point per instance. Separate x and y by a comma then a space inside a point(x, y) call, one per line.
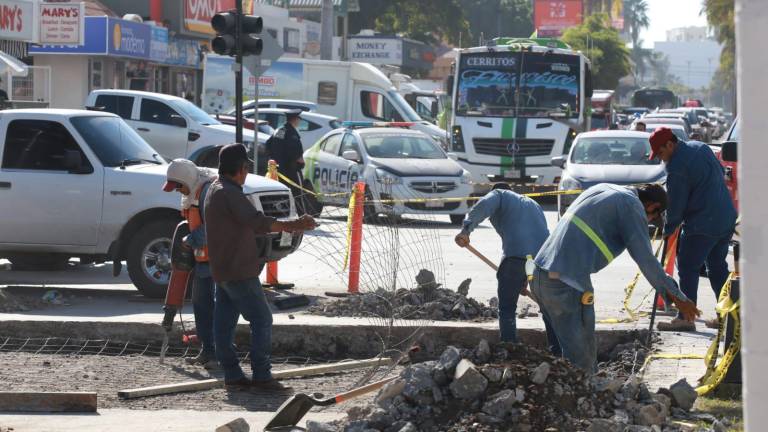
point(552, 17)
point(62, 23)
point(376, 51)
point(183, 52)
point(17, 20)
point(198, 14)
point(128, 38)
point(158, 45)
point(95, 40)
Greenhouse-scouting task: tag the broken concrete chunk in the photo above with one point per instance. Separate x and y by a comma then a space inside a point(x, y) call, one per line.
point(683, 394)
point(493, 374)
point(604, 425)
point(468, 382)
point(463, 288)
point(409, 427)
point(390, 390)
point(650, 415)
point(236, 425)
point(519, 394)
point(665, 401)
point(419, 383)
point(483, 352)
point(540, 374)
point(500, 404)
point(313, 426)
point(450, 358)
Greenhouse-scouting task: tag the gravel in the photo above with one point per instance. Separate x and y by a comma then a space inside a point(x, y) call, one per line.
point(11, 301)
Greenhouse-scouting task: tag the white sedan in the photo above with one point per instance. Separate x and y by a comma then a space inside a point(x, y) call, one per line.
point(312, 126)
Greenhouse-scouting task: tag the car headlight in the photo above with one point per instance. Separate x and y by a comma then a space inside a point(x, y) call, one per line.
point(386, 177)
point(569, 183)
point(466, 177)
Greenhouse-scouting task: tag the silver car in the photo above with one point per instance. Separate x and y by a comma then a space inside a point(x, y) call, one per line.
point(614, 156)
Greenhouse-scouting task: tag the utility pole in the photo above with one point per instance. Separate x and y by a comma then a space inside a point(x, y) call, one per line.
point(326, 32)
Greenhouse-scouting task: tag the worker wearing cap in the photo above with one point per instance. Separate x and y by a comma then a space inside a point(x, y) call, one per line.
point(235, 232)
point(700, 202)
point(603, 221)
point(285, 148)
point(522, 226)
point(192, 182)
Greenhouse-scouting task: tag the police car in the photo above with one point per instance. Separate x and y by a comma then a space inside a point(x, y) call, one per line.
point(405, 171)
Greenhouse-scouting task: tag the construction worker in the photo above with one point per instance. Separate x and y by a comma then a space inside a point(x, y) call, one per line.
point(285, 148)
point(602, 222)
point(235, 230)
point(520, 223)
point(185, 177)
point(700, 202)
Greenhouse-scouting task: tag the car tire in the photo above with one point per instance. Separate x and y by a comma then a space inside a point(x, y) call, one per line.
point(312, 205)
point(38, 262)
point(149, 258)
point(457, 219)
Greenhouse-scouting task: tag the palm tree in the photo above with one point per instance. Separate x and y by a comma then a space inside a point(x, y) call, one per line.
point(636, 19)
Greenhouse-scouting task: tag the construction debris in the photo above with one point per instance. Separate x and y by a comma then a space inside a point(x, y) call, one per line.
point(518, 388)
point(237, 425)
point(426, 301)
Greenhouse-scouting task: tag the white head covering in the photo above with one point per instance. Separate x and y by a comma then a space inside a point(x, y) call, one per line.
point(190, 175)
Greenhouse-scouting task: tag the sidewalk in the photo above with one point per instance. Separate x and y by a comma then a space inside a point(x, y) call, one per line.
point(662, 372)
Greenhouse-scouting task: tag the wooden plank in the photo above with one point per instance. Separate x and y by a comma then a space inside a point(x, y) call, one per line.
point(217, 383)
point(47, 401)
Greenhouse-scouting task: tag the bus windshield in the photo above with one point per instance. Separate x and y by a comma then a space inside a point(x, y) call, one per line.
point(654, 98)
point(488, 84)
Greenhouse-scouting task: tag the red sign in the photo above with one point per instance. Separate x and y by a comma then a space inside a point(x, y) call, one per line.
point(552, 17)
point(17, 20)
point(198, 14)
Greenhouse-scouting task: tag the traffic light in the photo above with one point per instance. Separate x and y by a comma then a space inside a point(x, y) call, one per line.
point(226, 26)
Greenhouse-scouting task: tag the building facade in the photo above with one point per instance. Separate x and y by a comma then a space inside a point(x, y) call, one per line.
point(693, 56)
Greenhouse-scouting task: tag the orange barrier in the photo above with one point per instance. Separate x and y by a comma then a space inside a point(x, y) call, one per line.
point(356, 242)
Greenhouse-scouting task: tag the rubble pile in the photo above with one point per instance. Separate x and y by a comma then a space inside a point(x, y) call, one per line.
point(512, 387)
point(427, 301)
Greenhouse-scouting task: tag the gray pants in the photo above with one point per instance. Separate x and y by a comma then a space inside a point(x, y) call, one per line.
point(572, 322)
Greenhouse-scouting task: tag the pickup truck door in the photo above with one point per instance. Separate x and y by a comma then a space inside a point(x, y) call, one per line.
point(47, 198)
point(155, 124)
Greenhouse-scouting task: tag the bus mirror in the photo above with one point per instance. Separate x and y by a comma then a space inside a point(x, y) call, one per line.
point(434, 110)
point(449, 85)
point(728, 151)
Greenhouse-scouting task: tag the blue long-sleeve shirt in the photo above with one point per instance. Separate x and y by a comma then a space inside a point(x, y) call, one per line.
point(617, 216)
point(698, 197)
point(517, 219)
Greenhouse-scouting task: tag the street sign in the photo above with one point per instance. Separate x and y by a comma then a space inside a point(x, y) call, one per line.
point(270, 52)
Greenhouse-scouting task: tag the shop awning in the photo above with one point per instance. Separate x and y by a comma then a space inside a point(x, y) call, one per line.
point(12, 64)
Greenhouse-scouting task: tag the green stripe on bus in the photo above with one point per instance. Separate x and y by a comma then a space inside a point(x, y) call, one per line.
point(508, 127)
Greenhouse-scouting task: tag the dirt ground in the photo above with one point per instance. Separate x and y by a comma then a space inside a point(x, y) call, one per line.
point(105, 375)
point(16, 302)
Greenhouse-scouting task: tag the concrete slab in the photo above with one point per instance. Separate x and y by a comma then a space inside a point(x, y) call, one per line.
point(119, 420)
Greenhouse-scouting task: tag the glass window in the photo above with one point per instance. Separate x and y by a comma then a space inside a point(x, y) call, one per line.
point(308, 126)
point(97, 69)
point(327, 92)
point(349, 143)
point(120, 105)
point(194, 112)
point(153, 111)
point(114, 142)
point(391, 146)
point(291, 40)
point(376, 106)
point(735, 132)
point(613, 151)
point(331, 145)
point(39, 145)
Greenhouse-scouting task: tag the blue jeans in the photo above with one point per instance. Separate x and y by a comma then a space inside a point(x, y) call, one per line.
point(573, 323)
point(247, 298)
point(203, 293)
point(697, 250)
point(512, 279)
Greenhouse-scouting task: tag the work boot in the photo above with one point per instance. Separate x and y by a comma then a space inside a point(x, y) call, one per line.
point(677, 324)
point(271, 385)
point(713, 323)
point(203, 359)
point(241, 382)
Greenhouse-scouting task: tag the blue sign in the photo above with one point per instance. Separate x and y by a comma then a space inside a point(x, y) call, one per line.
point(183, 52)
point(128, 38)
point(95, 40)
point(158, 46)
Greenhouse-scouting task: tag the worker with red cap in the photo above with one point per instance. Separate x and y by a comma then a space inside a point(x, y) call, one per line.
point(700, 202)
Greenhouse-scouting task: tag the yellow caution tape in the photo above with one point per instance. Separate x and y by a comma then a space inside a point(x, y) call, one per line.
point(317, 194)
point(716, 371)
point(350, 218)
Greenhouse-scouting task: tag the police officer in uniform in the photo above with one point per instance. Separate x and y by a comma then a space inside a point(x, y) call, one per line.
point(285, 148)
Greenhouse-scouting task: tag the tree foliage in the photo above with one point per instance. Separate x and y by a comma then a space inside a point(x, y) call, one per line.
point(428, 21)
point(602, 44)
point(720, 16)
point(493, 18)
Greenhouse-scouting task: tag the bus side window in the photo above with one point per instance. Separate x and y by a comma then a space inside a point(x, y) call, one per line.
point(588, 82)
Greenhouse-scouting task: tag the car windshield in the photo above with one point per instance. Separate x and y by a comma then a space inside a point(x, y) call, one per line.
point(613, 151)
point(114, 142)
point(679, 132)
point(391, 146)
point(194, 112)
point(736, 132)
point(402, 106)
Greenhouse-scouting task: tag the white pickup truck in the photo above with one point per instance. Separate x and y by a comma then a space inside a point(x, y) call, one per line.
point(84, 184)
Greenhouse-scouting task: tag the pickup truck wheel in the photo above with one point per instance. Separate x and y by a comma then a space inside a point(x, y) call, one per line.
point(149, 258)
point(38, 262)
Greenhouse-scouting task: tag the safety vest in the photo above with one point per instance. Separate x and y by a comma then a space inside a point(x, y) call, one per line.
point(195, 219)
point(589, 232)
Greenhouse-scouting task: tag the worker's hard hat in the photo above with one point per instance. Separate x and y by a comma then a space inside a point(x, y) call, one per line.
point(181, 172)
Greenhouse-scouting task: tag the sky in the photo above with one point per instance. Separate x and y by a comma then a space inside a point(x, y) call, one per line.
point(668, 14)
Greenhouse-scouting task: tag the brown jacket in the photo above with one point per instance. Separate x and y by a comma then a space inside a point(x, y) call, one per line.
point(234, 230)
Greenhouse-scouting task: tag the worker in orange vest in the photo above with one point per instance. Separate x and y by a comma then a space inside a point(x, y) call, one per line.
point(192, 182)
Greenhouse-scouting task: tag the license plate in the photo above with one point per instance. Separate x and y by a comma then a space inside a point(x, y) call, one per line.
point(434, 204)
point(512, 174)
point(285, 239)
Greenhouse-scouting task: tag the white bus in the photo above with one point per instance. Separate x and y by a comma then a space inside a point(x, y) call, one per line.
point(518, 103)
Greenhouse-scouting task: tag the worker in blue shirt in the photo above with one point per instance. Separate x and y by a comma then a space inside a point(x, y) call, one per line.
point(700, 202)
point(603, 221)
point(520, 222)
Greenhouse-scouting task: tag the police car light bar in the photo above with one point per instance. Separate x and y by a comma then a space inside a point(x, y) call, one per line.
point(363, 124)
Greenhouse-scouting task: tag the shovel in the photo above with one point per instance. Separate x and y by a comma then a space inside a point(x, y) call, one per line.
point(295, 408)
point(494, 266)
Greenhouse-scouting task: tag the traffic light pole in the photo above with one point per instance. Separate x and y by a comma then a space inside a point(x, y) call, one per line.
point(239, 74)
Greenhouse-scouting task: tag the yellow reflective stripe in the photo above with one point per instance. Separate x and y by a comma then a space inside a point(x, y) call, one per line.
point(591, 234)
